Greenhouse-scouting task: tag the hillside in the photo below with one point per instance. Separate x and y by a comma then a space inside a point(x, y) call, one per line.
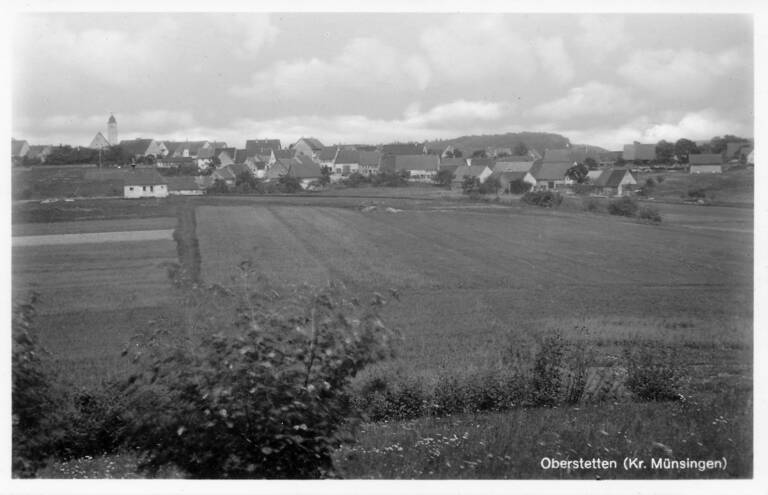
point(533, 140)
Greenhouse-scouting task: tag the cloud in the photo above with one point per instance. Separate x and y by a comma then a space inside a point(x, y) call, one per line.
point(364, 65)
point(594, 99)
point(112, 56)
point(680, 74)
point(554, 59)
point(601, 35)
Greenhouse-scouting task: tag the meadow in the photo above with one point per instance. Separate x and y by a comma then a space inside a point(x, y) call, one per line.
point(474, 284)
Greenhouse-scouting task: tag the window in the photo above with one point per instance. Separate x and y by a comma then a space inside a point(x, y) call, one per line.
point(151, 188)
point(143, 188)
point(130, 188)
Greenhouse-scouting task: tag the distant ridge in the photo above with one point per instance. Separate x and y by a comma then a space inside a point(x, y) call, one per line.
point(538, 141)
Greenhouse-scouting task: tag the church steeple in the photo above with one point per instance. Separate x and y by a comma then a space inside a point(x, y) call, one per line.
point(112, 130)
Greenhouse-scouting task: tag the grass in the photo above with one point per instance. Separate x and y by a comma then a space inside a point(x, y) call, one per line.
point(734, 186)
point(512, 444)
point(63, 182)
point(472, 283)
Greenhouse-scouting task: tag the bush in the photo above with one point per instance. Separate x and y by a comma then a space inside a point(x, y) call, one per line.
point(652, 374)
point(624, 206)
point(35, 402)
point(470, 185)
point(267, 400)
point(288, 184)
point(582, 189)
point(591, 204)
point(545, 199)
point(649, 213)
point(697, 193)
point(391, 179)
point(490, 186)
point(444, 178)
point(356, 179)
point(519, 186)
point(659, 179)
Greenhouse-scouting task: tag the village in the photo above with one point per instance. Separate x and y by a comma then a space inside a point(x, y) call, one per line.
point(157, 168)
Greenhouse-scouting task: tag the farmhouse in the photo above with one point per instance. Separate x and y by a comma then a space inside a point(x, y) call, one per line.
point(639, 152)
point(143, 183)
point(310, 147)
point(615, 182)
point(304, 169)
point(421, 168)
point(506, 178)
point(551, 175)
point(346, 162)
point(706, 163)
point(369, 162)
point(327, 157)
point(480, 172)
point(229, 173)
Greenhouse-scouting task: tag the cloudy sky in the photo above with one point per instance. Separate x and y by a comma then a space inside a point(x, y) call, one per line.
point(370, 78)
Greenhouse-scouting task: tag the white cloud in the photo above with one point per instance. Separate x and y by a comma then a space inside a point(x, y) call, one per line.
point(594, 99)
point(554, 59)
point(679, 74)
point(112, 56)
point(601, 35)
point(695, 125)
point(365, 64)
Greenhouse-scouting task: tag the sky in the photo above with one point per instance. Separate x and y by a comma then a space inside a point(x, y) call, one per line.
point(603, 80)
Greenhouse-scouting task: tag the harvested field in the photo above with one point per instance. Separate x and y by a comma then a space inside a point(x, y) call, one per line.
point(470, 280)
point(93, 237)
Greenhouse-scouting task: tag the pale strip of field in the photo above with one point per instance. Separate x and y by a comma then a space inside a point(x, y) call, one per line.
point(88, 226)
point(93, 237)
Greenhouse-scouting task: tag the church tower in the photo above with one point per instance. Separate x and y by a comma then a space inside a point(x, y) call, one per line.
point(112, 130)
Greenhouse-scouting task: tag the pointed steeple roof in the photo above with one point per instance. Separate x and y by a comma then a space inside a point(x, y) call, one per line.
point(111, 119)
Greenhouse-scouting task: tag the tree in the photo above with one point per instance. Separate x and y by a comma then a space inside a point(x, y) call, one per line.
point(245, 182)
point(490, 186)
point(289, 184)
point(665, 151)
point(590, 163)
point(577, 173)
point(520, 149)
point(325, 176)
point(470, 185)
point(685, 147)
point(479, 154)
point(218, 186)
point(457, 153)
point(444, 177)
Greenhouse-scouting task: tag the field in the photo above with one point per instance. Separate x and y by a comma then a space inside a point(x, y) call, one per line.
point(734, 186)
point(93, 296)
point(41, 182)
point(475, 282)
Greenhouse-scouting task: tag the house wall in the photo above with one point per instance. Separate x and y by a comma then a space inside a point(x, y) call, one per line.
point(145, 191)
point(186, 192)
point(422, 175)
point(302, 147)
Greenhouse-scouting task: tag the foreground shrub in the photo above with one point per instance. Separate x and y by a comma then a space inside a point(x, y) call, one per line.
point(545, 199)
point(35, 402)
point(265, 401)
point(591, 204)
point(652, 374)
point(649, 213)
point(624, 206)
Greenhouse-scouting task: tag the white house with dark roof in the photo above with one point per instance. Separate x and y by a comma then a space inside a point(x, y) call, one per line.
point(551, 175)
point(19, 148)
point(144, 183)
point(480, 172)
point(347, 162)
point(615, 181)
point(706, 163)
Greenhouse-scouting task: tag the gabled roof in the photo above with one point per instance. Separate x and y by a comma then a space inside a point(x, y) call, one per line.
point(328, 154)
point(510, 176)
point(705, 159)
point(452, 162)
point(283, 154)
point(261, 146)
point(403, 149)
point(550, 171)
point(469, 171)
point(302, 167)
point(555, 156)
point(228, 151)
point(171, 146)
point(143, 177)
point(519, 164)
point(612, 177)
point(16, 146)
point(135, 146)
point(478, 160)
point(240, 156)
point(416, 162)
point(313, 143)
point(238, 168)
point(370, 158)
point(348, 156)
